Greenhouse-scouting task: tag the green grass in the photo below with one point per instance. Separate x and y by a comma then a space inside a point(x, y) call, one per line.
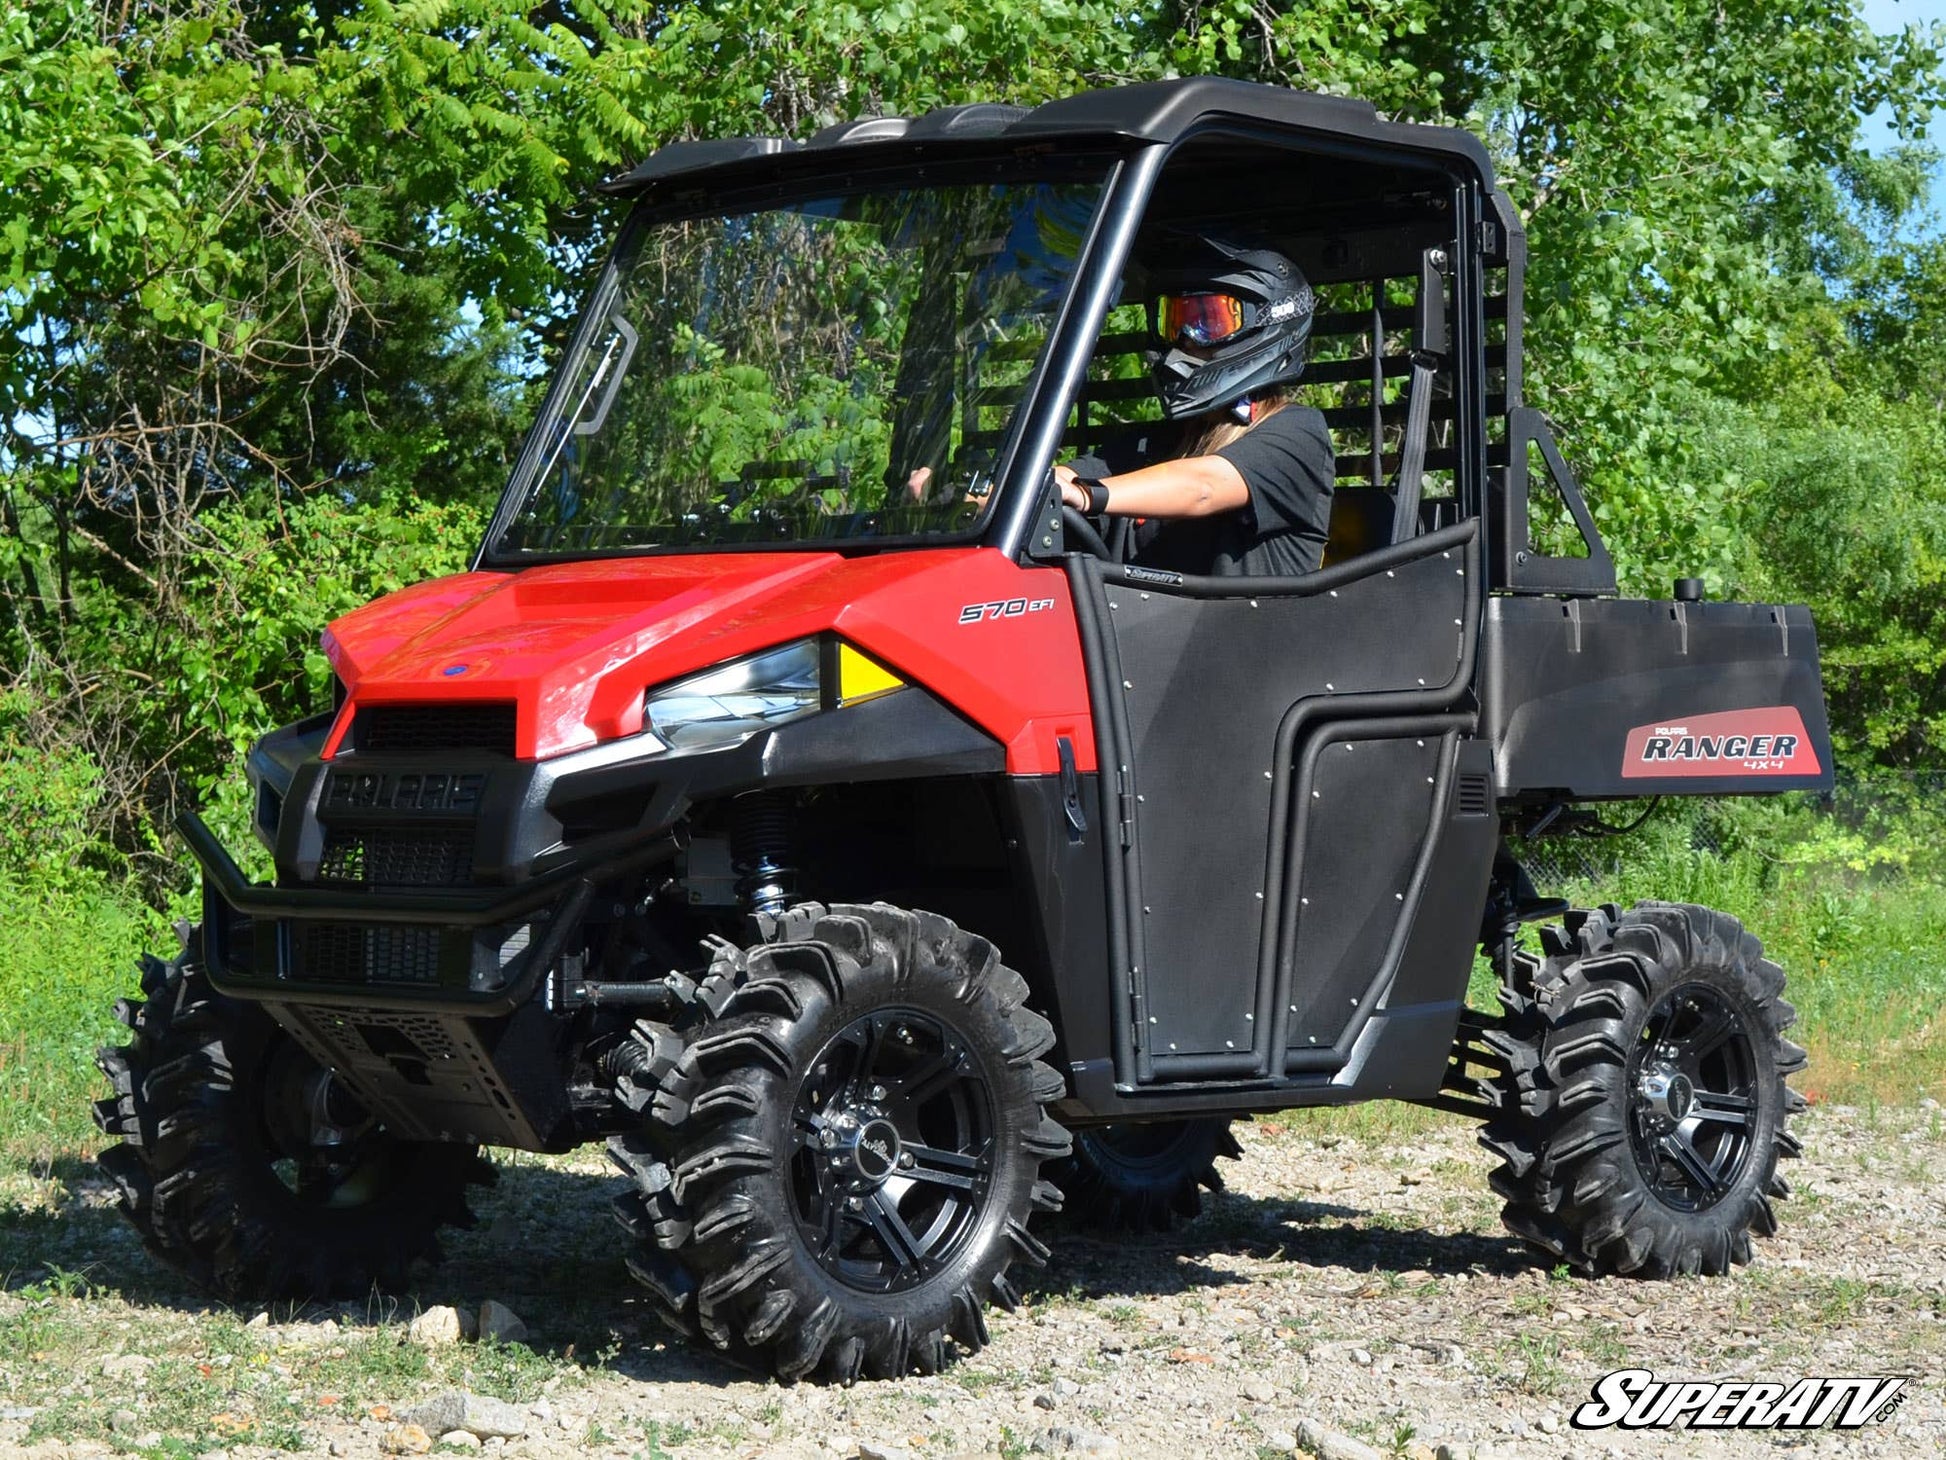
point(64, 960)
point(1865, 953)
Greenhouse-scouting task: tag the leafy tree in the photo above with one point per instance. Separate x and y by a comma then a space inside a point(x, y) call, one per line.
point(261, 262)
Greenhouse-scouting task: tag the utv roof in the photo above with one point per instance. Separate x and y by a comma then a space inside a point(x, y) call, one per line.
point(1152, 111)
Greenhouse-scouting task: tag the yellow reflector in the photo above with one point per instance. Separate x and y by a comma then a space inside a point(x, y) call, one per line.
point(860, 678)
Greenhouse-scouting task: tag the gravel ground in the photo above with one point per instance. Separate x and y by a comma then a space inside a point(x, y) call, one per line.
point(1346, 1289)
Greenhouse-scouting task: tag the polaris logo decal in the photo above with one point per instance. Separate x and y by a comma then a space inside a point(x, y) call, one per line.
point(370, 791)
point(1635, 1399)
point(1766, 742)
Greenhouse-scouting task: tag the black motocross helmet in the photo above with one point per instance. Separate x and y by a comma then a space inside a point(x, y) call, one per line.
point(1245, 309)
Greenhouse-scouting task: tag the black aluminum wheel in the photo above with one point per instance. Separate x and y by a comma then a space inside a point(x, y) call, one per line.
point(839, 1144)
point(1643, 1109)
point(250, 1168)
point(1692, 1083)
point(892, 1150)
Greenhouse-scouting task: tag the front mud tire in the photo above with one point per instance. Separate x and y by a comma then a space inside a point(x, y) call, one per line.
point(839, 1151)
point(207, 1171)
point(1644, 1111)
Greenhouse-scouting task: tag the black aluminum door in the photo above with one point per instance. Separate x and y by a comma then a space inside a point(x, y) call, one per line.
point(1273, 753)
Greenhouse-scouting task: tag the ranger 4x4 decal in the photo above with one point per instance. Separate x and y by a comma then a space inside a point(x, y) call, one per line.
point(1765, 742)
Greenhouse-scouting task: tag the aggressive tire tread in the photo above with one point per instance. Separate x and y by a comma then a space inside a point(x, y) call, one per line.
point(1144, 1178)
point(1572, 1183)
point(722, 1259)
point(192, 1174)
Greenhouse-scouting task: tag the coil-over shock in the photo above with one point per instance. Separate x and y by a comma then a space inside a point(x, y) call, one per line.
point(760, 842)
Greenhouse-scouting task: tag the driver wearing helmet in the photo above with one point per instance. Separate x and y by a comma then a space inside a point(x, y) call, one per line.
point(1247, 486)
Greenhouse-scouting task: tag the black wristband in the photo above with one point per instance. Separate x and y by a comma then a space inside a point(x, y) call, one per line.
point(1097, 494)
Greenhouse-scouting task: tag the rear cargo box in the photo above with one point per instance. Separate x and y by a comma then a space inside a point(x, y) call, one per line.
point(1587, 698)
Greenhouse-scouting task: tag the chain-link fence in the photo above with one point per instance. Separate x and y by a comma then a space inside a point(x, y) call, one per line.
point(1868, 818)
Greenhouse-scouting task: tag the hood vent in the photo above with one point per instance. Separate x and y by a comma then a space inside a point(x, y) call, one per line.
point(483, 728)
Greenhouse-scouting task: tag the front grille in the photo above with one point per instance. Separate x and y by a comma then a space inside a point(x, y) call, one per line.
point(412, 729)
point(341, 953)
point(420, 857)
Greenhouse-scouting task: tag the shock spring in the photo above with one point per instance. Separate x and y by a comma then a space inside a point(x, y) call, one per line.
point(760, 825)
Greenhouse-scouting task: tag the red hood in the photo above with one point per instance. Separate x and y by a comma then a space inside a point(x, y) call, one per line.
point(575, 644)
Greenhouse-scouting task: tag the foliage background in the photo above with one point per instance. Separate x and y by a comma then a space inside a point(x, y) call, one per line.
point(278, 281)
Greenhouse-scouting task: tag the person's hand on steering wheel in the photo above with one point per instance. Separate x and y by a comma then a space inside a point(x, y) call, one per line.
point(1087, 497)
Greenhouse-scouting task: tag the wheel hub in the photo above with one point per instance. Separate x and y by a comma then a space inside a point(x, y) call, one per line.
point(1665, 1095)
point(865, 1147)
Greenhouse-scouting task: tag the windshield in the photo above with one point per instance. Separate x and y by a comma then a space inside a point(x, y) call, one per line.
point(843, 367)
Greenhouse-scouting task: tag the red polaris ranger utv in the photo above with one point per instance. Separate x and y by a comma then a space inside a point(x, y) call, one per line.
point(800, 799)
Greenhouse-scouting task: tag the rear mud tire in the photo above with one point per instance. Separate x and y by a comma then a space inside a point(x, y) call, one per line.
point(217, 1194)
point(1645, 1110)
point(840, 1147)
point(1142, 1178)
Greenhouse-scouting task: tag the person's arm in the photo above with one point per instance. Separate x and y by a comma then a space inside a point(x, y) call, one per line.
point(1196, 486)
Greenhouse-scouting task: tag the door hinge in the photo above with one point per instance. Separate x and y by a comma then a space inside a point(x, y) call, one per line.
point(1126, 808)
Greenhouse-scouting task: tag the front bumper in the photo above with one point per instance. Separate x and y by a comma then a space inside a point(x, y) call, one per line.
point(438, 1033)
point(266, 942)
point(451, 879)
point(423, 900)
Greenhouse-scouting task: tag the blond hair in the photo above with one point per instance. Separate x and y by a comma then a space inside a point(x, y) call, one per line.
point(1223, 428)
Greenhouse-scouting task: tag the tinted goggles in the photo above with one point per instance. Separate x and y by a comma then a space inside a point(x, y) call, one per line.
point(1202, 319)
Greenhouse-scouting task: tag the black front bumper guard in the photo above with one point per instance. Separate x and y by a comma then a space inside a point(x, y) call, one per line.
point(252, 931)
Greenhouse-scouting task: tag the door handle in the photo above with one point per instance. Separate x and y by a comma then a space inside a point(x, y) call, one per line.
point(1071, 808)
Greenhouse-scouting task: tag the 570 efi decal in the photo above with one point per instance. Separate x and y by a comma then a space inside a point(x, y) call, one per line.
point(1765, 742)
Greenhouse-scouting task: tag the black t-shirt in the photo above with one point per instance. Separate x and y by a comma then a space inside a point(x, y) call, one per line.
point(1286, 462)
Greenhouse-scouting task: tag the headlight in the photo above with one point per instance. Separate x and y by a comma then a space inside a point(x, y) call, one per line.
point(723, 706)
point(727, 705)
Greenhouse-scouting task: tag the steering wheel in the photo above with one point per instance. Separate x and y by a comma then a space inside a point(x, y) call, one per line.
point(1080, 529)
